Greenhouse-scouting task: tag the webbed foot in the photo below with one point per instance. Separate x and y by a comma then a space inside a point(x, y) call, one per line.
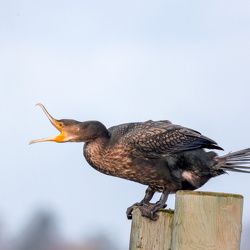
point(147, 209)
point(131, 208)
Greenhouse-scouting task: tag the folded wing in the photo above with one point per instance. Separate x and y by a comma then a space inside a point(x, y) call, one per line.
point(162, 138)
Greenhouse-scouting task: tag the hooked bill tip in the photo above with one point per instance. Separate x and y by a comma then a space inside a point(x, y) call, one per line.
point(39, 104)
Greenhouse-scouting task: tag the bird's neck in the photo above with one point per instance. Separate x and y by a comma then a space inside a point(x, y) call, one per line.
point(95, 149)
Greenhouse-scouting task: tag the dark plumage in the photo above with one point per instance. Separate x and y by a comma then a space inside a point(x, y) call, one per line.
point(159, 154)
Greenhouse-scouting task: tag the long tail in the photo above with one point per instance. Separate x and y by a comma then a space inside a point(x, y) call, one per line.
point(237, 161)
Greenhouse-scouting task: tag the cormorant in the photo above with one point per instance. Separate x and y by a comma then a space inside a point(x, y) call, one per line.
point(159, 154)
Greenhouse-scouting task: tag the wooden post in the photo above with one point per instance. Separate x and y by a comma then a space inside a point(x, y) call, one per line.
point(151, 235)
point(202, 220)
point(207, 221)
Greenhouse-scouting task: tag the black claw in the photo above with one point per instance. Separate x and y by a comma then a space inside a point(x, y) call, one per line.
point(129, 216)
point(129, 213)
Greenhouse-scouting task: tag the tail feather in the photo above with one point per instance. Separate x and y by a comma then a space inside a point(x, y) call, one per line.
point(238, 165)
point(238, 161)
point(236, 169)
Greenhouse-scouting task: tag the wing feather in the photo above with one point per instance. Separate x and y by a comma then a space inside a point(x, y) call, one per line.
point(162, 138)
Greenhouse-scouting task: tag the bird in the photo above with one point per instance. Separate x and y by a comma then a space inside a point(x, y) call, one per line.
point(163, 156)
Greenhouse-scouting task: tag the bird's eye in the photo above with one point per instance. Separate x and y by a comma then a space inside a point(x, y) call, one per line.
point(60, 124)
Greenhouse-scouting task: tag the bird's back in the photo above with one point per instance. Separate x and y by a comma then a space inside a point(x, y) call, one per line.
point(136, 129)
point(158, 139)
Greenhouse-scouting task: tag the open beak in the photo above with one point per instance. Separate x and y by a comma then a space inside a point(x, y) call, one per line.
point(57, 124)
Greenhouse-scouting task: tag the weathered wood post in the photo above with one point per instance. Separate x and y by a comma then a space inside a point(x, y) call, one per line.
point(201, 221)
point(207, 221)
point(151, 235)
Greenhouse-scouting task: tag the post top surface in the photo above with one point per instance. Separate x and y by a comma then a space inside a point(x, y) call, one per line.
point(202, 193)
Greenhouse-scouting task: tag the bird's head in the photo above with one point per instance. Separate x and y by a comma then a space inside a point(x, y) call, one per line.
point(74, 131)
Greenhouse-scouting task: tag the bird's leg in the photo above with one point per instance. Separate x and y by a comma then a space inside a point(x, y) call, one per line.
point(150, 209)
point(149, 193)
point(145, 201)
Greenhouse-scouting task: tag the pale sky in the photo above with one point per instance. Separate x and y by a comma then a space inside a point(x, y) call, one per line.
point(116, 62)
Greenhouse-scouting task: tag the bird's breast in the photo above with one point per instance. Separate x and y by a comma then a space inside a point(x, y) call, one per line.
point(120, 163)
point(111, 161)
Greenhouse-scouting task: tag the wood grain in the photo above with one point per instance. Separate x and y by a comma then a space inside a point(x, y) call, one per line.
point(207, 221)
point(151, 235)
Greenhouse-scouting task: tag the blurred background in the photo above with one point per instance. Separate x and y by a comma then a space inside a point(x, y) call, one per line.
point(116, 62)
